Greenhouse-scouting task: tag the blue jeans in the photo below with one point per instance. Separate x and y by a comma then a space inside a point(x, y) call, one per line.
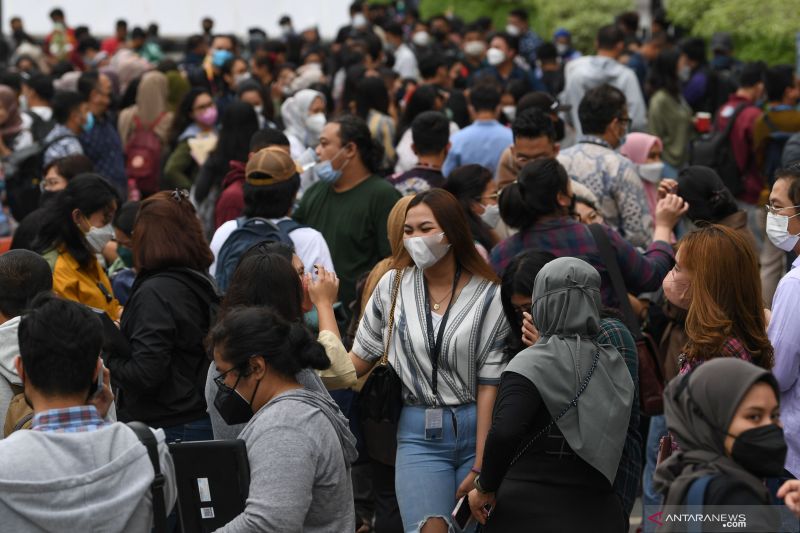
point(199, 429)
point(428, 472)
point(658, 428)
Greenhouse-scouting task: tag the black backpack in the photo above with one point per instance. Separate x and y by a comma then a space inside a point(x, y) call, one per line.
point(23, 173)
point(40, 127)
point(248, 233)
point(715, 150)
point(773, 152)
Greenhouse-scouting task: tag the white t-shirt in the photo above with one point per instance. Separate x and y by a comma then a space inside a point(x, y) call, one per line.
point(309, 245)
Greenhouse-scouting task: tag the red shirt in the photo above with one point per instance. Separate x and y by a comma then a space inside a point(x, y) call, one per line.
point(743, 144)
point(231, 202)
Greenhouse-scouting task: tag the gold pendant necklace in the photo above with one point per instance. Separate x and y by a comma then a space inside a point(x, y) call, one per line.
point(437, 305)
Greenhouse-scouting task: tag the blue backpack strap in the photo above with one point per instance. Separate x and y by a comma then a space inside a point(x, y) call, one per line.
point(289, 225)
point(695, 497)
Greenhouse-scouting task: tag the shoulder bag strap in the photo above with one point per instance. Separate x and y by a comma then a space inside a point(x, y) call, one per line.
point(398, 277)
point(145, 435)
point(617, 282)
point(555, 419)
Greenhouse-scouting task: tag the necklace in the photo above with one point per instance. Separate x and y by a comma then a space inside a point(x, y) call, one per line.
point(437, 305)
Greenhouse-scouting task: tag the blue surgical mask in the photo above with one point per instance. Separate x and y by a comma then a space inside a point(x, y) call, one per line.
point(87, 127)
point(219, 57)
point(325, 171)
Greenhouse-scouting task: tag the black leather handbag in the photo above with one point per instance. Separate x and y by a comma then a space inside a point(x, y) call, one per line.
point(381, 398)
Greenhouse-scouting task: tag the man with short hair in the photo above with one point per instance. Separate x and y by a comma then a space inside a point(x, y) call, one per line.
point(405, 62)
point(508, 167)
point(534, 138)
point(612, 178)
point(74, 469)
point(750, 91)
point(783, 226)
point(430, 131)
point(23, 275)
point(101, 142)
point(70, 111)
point(587, 72)
point(38, 92)
point(112, 44)
point(270, 187)
point(502, 52)
point(771, 132)
point(349, 204)
point(484, 140)
point(517, 24)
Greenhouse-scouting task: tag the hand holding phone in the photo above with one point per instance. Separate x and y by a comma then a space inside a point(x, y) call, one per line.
point(462, 514)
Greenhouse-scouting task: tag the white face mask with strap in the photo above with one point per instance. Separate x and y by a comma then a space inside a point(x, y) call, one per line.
point(426, 251)
point(778, 231)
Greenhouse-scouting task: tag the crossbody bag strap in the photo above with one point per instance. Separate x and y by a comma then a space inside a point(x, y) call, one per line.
point(147, 438)
point(570, 405)
point(398, 277)
point(617, 282)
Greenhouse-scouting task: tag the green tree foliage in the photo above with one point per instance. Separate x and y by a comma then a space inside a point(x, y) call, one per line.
point(764, 30)
point(581, 17)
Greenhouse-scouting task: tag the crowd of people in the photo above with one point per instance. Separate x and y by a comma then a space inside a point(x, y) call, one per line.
point(436, 275)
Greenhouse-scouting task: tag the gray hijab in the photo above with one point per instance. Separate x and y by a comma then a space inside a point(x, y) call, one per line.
point(699, 407)
point(566, 304)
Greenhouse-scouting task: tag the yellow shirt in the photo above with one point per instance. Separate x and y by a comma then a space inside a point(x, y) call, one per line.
point(89, 286)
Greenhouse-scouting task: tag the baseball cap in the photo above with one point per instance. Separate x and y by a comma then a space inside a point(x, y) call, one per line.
point(722, 42)
point(270, 166)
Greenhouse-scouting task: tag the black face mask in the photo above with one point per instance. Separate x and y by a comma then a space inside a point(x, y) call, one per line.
point(761, 451)
point(231, 406)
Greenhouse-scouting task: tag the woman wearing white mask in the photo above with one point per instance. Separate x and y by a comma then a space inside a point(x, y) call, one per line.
point(475, 189)
point(447, 346)
point(645, 151)
point(74, 231)
point(304, 117)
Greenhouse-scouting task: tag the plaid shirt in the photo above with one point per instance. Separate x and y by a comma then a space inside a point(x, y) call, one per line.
point(629, 472)
point(566, 237)
point(78, 419)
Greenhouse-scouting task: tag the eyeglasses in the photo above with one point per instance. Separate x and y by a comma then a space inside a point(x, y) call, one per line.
point(777, 210)
point(180, 194)
point(219, 381)
point(493, 196)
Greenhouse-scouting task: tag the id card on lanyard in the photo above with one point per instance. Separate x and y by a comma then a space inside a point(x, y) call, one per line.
point(434, 415)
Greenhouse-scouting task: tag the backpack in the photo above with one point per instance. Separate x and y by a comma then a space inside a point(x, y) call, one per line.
point(23, 174)
point(146, 437)
point(247, 234)
point(19, 414)
point(143, 157)
point(715, 150)
point(773, 152)
point(40, 127)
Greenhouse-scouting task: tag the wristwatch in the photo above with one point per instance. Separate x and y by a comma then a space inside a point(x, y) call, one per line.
point(478, 487)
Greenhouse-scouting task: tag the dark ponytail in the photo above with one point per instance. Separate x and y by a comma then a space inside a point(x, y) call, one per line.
point(534, 194)
point(286, 347)
point(307, 351)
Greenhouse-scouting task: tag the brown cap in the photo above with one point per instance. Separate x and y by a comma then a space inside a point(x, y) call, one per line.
point(270, 166)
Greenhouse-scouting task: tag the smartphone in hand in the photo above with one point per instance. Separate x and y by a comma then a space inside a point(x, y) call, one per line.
point(462, 515)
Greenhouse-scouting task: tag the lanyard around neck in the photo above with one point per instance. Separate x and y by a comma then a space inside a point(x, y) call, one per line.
point(436, 346)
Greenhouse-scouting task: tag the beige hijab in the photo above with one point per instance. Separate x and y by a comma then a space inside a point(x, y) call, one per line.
point(151, 103)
